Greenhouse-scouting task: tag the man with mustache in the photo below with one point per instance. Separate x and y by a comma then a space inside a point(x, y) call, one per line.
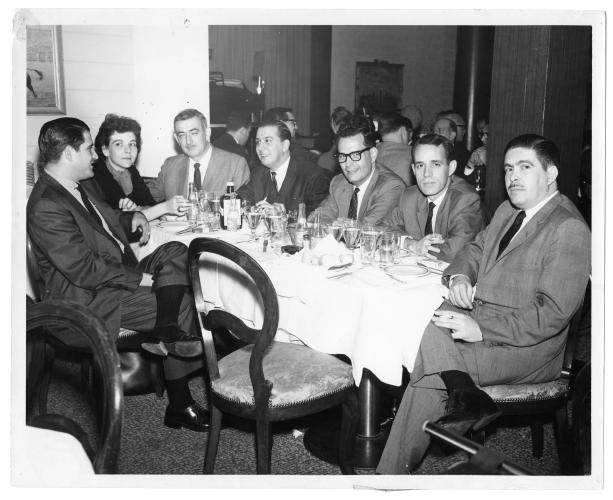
point(512, 293)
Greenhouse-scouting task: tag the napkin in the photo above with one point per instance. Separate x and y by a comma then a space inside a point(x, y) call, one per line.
point(328, 252)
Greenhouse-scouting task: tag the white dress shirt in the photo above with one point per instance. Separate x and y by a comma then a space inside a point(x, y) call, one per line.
point(363, 189)
point(281, 172)
point(204, 165)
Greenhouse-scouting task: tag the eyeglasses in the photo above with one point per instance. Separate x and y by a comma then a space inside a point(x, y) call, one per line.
point(290, 121)
point(354, 155)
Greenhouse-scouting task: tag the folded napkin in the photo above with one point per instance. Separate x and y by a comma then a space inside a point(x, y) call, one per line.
point(328, 252)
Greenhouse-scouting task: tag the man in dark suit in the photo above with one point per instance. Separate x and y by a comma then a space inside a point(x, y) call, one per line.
point(364, 191)
point(512, 293)
point(441, 204)
point(208, 167)
point(236, 135)
point(84, 255)
point(282, 178)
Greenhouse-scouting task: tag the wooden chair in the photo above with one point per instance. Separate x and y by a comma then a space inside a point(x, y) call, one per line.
point(48, 319)
point(267, 381)
point(142, 372)
point(540, 400)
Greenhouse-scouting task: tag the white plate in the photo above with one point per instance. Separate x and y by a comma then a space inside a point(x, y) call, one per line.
point(173, 223)
point(404, 272)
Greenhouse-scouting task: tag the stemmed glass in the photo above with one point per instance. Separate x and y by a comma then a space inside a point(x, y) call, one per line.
point(335, 229)
point(253, 219)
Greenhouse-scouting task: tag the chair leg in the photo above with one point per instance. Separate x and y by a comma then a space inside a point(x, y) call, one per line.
point(213, 442)
point(263, 444)
point(560, 429)
point(536, 428)
point(348, 431)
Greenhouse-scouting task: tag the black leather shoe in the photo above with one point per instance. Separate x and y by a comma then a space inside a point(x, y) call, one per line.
point(194, 417)
point(172, 340)
point(468, 410)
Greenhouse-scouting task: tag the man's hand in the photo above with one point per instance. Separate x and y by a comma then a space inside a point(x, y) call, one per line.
point(461, 292)
point(140, 221)
point(426, 245)
point(462, 327)
point(146, 280)
point(128, 205)
point(264, 205)
point(177, 205)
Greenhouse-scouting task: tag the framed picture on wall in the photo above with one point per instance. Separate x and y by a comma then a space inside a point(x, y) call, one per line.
point(378, 86)
point(44, 73)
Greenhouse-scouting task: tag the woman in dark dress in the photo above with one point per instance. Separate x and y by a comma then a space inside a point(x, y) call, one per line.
point(118, 143)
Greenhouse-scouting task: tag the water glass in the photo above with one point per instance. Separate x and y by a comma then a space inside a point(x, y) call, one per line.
point(389, 252)
point(351, 235)
point(370, 239)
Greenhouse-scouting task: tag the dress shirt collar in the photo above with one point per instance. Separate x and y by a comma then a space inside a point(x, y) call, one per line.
point(531, 212)
point(66, 183)
point(204, 165)
point(281, 172)
point(438, 199)
point(363, 188)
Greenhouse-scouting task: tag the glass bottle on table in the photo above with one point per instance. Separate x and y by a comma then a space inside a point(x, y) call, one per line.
point(192, 198)
point(231, 200)
point(301, 225)
point(232, 214)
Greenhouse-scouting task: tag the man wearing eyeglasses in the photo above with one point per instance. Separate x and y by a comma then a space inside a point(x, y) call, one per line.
point(364, 191)
point(442, 212)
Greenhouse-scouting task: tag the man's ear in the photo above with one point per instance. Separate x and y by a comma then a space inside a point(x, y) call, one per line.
point(552, 174)
point(373, 153)
point(176, 138)
point(452, 166)
point(285, 145)
point(207, 133)
point(69, 153)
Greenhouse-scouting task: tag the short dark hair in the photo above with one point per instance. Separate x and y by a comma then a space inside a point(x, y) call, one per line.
point(436, 140)
point(282, 130)
point(358, 125)
point(188, 113)
point(236, 121)
point(340, 114)
point(546, 151)
point(279, 113)
point(452, 124)
point(391, 122)
point(114, 123)
point(56, 135)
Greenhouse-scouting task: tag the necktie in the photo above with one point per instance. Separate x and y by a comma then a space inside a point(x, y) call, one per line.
point(512, 231)
point(88, 204)
point(274, 188)
point(197, 177)
point(428, 229)
point(353, 205)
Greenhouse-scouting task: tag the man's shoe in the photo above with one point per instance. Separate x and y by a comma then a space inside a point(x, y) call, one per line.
point(468, 410)
point(172, 340)
point(193, 417)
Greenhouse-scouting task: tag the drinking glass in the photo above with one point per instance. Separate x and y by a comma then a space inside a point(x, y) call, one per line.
point(335, 229)
point(253, 220)
point(351, 235)
point(388, 248)
point(369, 239)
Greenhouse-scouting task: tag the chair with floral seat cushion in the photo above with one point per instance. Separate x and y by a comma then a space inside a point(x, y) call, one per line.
point(537, 401)
point(265, 380)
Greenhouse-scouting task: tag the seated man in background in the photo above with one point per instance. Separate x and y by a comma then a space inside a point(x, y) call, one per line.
point(446, 127)
point(236, 136)
point(394, 152)
point(512, 293)
point(339, 117)
point(286, 115)
point(282, 178)
point(208, 167)
point(441, 204)
point(364, 191)
point(83, 255)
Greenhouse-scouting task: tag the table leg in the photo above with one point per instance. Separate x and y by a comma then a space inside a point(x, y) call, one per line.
point(321, 439)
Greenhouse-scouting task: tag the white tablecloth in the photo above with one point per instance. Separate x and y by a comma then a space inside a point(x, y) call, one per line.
point(374, 320)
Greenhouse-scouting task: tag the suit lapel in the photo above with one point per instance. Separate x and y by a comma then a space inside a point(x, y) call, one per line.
point(368, 193)
point(422, 213)
point(211, 169)
point(288, 182)
point(181, 175)
point(525, 233)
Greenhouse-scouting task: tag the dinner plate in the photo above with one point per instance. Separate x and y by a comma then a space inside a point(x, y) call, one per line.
point(404, 272)
point(173, 223)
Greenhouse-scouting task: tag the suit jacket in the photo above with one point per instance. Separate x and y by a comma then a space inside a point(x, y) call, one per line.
point(223, 167)
point(78, 260)
point(459, 217)
point(525, 298)
point(304, 182)
point(397, 158)
point(379, 199)
point(112, 191)
point(227, 143)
